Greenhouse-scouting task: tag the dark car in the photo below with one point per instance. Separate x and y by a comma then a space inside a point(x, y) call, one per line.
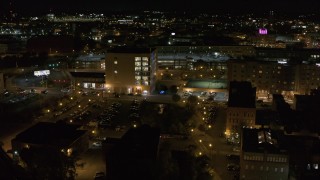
point(44, 91)
point(99, 175)
point(233, 157)
point(233, 167)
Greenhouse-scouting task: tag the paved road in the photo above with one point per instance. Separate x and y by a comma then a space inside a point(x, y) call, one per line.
point(211, 143)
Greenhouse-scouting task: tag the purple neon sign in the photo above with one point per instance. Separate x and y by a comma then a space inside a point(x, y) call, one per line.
point(263, 31)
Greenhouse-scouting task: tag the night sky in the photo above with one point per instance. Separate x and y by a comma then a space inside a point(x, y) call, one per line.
point(37, 6)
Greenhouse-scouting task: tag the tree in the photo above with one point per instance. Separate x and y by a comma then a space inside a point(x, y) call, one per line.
point(192, 102)
point(176, 98)
point(48, 163)
point(173, 89)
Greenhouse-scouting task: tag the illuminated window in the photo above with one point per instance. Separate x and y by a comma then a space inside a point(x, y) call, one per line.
point(145, 69)
point(138, 77)
point(137, 59)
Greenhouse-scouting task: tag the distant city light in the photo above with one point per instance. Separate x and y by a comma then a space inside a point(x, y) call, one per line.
point(282, 62)
point(263, 31)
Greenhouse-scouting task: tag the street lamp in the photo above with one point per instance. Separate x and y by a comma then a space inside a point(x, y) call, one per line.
point(211, 150)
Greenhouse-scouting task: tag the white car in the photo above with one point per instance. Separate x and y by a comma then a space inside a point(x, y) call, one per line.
point(97, 144)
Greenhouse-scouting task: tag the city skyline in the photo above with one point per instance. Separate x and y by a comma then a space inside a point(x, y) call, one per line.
point(36, 7)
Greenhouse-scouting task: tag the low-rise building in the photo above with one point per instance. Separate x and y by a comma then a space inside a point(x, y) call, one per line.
point(60, 136)
point(263, 155)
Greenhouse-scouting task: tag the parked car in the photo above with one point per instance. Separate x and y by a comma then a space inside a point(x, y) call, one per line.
point(44, 91)
point(233, 157)
point(97, 144)
point(99, 175)
point(233, 167)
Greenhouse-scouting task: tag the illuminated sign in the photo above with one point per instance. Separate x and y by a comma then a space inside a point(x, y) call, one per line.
point(42, 73)
point(263, 31)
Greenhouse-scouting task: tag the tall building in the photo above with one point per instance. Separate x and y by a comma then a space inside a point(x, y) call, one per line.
point(241, 110)
point(130, 70)
point(276, 77)
point(267, 77)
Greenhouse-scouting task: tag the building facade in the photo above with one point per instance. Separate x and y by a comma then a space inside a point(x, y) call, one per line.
point(277, 77)
point(130, 70)
point(262, 156)
point(241, 110)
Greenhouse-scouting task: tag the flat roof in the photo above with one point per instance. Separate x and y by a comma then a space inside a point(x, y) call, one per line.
point(137, 50)
point(262, 140)
point(54, 134)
